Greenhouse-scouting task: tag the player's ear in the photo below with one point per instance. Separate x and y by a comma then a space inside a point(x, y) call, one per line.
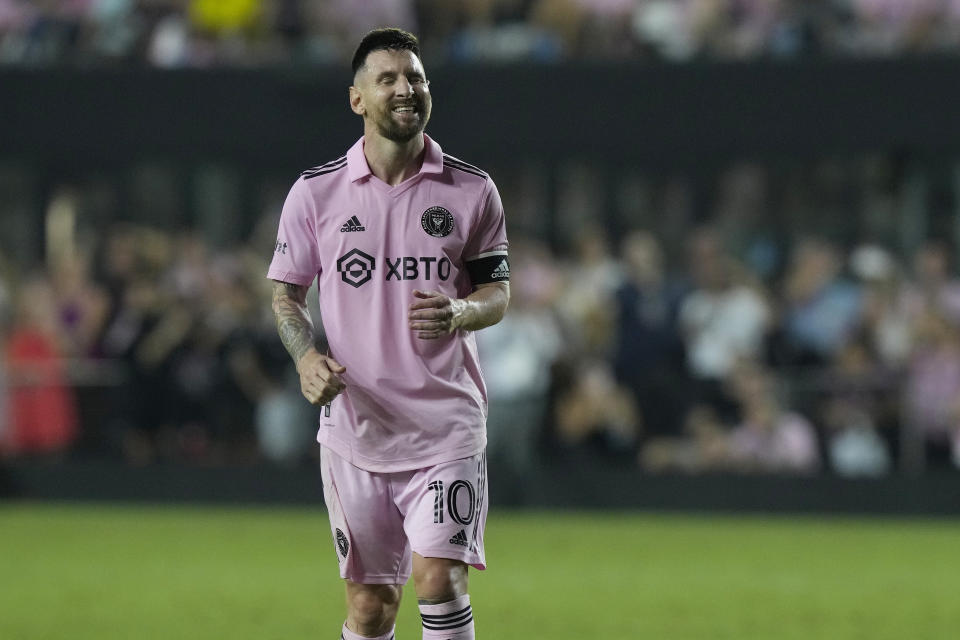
point(356, 102)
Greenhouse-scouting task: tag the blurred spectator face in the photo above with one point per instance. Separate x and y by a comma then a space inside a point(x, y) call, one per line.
point(934, 331)
point(708, 265)
point(591, 247)
point(643, 257)
point(815, 264)
point(391, 93)
point(748, 381)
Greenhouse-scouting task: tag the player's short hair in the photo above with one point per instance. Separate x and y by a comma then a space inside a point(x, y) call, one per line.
point(389, 39)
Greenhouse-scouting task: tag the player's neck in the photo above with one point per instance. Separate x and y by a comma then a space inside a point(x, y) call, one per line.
point(393, 162)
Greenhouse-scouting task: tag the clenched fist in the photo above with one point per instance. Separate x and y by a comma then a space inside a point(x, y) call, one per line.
point(320, 380)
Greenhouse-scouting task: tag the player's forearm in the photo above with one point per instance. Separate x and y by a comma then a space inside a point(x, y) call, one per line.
point(293, 319)
point(482, 308)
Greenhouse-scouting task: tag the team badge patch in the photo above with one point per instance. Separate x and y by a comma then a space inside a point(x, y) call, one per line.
point(437, 221)
point(342, 545)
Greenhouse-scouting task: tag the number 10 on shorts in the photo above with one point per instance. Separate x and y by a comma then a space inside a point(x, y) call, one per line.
point(454, 501)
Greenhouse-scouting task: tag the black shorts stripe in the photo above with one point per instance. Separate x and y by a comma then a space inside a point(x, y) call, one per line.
point(481, 489)
point(326, 165)
point(314, 174)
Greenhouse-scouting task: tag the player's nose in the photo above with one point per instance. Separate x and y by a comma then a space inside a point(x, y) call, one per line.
point(402, 86)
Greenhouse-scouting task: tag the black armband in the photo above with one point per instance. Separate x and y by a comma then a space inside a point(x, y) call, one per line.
point(493, 266)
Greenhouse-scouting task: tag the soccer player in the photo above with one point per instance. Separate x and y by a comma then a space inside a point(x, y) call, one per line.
point(409, 249)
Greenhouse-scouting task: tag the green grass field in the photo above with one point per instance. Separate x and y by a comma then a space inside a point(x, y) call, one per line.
point(83, 571)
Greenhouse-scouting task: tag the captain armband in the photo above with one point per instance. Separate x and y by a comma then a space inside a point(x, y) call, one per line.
point(492, 266)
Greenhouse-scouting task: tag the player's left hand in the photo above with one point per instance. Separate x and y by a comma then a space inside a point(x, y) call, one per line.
point(434, 315)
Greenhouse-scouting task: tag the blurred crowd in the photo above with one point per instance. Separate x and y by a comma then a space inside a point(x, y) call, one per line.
point(825, 367)
point(741, 342)
point(204, 33)
point(151, 346)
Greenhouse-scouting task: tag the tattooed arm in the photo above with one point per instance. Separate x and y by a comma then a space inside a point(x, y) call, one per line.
point(320, 379)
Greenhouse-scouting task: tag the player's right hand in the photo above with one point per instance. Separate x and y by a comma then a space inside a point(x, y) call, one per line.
point(320, 380)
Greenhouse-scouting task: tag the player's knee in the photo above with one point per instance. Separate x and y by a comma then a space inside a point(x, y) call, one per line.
point(440, 580)
point(372, 608)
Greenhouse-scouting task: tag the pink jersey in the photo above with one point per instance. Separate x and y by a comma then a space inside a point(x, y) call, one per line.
point(408, 402)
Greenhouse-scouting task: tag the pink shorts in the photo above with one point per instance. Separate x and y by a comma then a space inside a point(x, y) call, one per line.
point(379, 519)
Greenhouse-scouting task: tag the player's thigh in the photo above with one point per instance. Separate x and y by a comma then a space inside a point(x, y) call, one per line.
point(367, 528)
point(445, 510)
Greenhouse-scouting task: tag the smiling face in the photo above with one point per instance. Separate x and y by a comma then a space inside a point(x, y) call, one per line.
point(390, 91)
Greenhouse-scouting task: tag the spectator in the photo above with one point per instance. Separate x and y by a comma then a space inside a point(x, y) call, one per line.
point(43, 414)
point(932, 389)
point(586, 302)
point(933, 288)
point(82, 305)
point(648, 354)
point(854, 446)
point(886, 315)
point(769, 438)
point(594, 417)
point(821, 308)
point(859, 411)
point(701, 449)
point(724, 318)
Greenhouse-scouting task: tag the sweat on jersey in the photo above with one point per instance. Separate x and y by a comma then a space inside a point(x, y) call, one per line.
point(408, 402)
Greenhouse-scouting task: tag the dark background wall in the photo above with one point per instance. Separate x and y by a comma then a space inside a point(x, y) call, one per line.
point(652, 116)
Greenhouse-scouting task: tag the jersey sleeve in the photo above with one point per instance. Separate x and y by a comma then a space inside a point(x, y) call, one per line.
point(296, 258)
point(485, 253)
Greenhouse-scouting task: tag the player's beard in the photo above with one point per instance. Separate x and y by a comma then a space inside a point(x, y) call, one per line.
point(400, 132)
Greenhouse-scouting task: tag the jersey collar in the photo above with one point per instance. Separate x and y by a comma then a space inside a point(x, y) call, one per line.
point(358, 168)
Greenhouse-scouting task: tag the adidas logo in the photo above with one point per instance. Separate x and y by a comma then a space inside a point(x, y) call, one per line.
point(502, 272)
point(460, 538)
point(353, 224)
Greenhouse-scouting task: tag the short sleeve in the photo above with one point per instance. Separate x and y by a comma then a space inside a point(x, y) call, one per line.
point(296, 258)
point(490, 231)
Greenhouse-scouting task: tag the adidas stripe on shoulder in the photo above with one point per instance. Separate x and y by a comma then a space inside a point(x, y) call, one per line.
point(334, 165)
point(455, 163)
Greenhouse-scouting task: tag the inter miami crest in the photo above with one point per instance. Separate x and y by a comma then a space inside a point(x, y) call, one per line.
point(437, 221)
point(342, 545)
